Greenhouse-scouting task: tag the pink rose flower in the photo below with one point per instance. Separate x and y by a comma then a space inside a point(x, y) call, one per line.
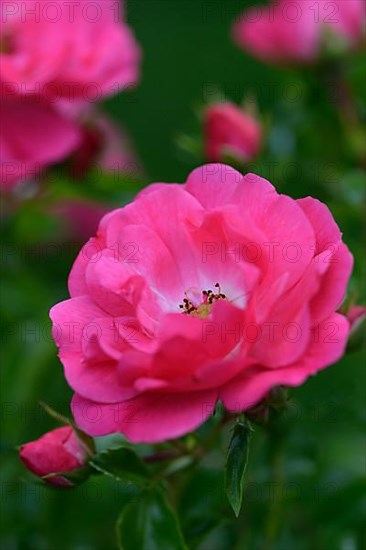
point(32, 136)
point(229, 129)
point(57, 451)
point(62, 51)
point(219, 289)
point(288, 32)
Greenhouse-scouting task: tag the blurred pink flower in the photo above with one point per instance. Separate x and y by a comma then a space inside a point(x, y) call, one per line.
point(294, 32)
point(104, 146)
point(67, 52)
point(57, 451)
point(32, 135)
point(228, 129)
point(81, 217)
point(219, 289)
point(348, 20)
point(117, 154)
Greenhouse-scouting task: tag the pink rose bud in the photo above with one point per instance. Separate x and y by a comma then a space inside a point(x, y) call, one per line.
point(297, 32)
point(57, 451)
point(228, 129)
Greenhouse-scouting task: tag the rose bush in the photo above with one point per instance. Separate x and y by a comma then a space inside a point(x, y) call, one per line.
point(219, 289)
point(57, 451)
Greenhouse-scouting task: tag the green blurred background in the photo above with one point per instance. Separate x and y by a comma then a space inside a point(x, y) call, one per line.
point(310, 492)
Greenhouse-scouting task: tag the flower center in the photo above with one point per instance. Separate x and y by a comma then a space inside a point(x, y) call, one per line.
point(201, 305)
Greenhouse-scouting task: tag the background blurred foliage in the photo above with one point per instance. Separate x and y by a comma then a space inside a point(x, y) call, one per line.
point(305, 484)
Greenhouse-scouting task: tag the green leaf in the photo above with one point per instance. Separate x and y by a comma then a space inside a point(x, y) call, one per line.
point(123, 464)
point(149, 523)
point(236, 463)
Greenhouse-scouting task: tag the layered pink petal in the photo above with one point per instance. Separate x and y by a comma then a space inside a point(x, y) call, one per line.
point(327, 346)
point(213, 184)
point(336, 260)
point(149, 418)
point(90, 252)
point(71, 321)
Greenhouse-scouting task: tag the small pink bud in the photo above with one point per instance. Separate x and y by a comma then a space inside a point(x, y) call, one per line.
point(56, 451)
point(230, 130)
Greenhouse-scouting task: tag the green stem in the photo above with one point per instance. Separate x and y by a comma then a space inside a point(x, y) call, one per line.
point(161, 456)
point(213, 435)
point(275, 512)
point(346, 106)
